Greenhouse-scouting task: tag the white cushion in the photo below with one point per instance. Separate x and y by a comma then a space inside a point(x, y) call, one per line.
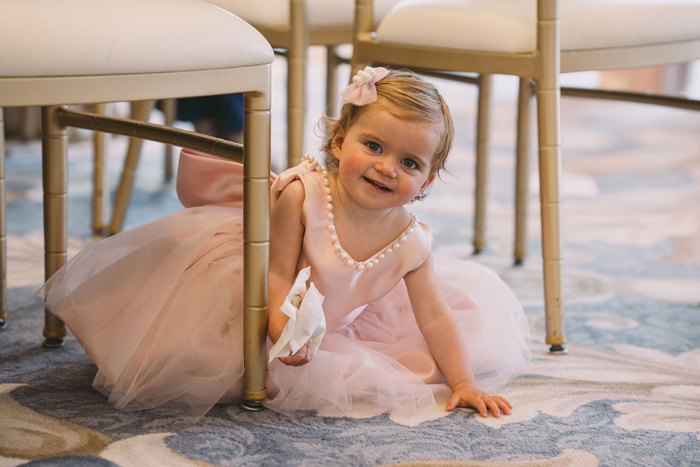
point(510, 25)
point(321, 13)
point(88, 37)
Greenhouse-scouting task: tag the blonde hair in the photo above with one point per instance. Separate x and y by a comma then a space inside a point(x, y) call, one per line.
point(416, 97)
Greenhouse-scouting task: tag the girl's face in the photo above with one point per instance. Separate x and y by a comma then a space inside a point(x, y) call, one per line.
point(383, 160)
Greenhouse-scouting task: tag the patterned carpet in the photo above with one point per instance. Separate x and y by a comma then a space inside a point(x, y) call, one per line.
point(627, 394)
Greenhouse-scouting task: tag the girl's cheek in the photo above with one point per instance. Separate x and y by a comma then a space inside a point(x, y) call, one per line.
point(352, 163)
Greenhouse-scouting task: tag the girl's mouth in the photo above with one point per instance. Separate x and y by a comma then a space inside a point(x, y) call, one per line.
point(377, 185)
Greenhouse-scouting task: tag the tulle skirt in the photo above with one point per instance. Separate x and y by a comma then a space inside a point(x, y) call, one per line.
point(159, 310)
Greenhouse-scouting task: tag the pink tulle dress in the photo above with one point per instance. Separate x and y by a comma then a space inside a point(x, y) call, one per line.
point(159, 309)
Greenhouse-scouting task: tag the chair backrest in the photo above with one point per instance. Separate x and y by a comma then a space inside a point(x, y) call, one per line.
point(593, 35)
point(320, 13)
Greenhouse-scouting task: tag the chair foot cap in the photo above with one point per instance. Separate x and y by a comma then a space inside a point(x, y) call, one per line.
point(52, 342)
point(252, 406)
point(558, 349)
point(3, 323)
point(519, 262)
point(477, 251)
point(101, 232)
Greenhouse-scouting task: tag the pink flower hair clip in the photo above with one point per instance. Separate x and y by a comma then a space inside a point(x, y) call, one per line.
point(362, 90)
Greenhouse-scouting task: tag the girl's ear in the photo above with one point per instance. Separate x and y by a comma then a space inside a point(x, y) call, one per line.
point(428, 182)
point(337, 142)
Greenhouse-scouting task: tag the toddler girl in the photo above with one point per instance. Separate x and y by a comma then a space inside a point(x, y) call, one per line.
point(159, 308)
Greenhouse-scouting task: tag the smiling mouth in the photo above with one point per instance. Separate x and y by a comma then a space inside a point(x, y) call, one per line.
point(377, 185)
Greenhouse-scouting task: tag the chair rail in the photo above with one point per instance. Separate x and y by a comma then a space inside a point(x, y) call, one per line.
point(149, 131)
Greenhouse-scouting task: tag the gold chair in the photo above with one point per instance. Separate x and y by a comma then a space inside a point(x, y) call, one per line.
point(535, 40)
point(65, 53)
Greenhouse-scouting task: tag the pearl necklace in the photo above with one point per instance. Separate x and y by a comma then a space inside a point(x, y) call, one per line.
point(342, 254)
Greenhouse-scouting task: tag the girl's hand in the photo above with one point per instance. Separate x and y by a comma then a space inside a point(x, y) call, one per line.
point(301, 358)
point(469, 396)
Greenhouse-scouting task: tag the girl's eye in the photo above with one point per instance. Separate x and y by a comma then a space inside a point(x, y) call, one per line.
point(410, 163)
point(374, 147)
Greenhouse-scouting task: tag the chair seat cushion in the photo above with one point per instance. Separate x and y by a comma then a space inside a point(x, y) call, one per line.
point(510, 25)
point(88, 37)
point(321, 13)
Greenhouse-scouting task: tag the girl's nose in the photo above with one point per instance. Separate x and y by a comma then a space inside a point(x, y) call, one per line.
point(386, 168)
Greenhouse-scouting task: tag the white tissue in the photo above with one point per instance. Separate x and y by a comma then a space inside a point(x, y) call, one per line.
point(307, 323)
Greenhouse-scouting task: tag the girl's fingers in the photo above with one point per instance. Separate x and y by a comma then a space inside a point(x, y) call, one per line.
point(290, 359)
point(481, 407)
point(482, 403)
point(503, 404)
point(453, 402)
point(491, 404)
point(505, 401)
point(305, 358)
point(302, 357)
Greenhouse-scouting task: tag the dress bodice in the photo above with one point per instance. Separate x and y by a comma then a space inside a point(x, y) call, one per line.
point(348, 285)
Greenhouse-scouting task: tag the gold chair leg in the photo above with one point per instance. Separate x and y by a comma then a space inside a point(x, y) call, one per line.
point(550, 205)
point(3, 228)
point(482, 175)
point(364, 23)
point(256, 248)
point(99, 175)
point(139, 111)
point(549, 140)
point(522, 171)
point(169, 107)
point(332, 101)
point(54, 152)
point(296, 82)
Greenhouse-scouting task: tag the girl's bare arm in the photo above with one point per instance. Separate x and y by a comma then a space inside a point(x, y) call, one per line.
point(435, 321)
point(286, 235)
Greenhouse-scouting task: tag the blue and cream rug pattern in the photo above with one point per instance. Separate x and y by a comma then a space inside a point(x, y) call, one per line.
point(627, 394)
